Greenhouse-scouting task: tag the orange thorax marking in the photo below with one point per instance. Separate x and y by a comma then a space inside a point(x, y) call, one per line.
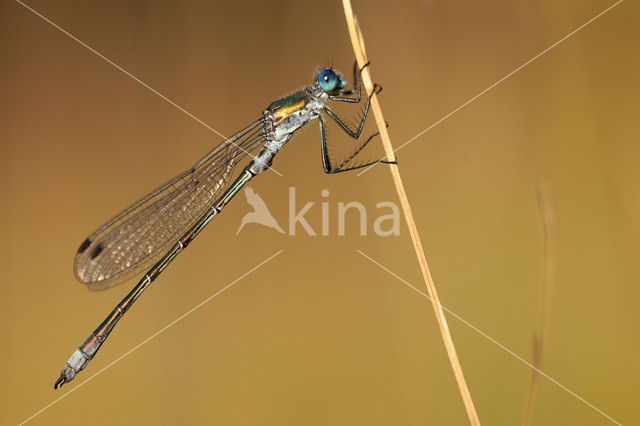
point(283, 112)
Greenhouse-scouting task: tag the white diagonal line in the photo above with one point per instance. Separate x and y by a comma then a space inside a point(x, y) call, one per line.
point(500, 345)
point(163, 329)
point(128, 74)
point(497, 83)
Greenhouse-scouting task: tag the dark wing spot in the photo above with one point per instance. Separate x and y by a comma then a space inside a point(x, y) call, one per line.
point(96, 251)
point(84, 246)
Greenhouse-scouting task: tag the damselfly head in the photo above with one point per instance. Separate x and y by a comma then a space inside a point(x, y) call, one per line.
point(329, 80)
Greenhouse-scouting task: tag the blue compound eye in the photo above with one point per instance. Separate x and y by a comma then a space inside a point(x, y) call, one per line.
point(328, 80)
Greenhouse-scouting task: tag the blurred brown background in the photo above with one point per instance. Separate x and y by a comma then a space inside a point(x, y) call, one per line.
point(320, 335)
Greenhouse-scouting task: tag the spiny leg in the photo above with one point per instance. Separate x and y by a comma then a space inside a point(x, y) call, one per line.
point(326, 159)
point(360, 166)
point(354, 134)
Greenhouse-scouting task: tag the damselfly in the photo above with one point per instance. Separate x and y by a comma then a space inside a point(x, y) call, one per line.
point(156, 228)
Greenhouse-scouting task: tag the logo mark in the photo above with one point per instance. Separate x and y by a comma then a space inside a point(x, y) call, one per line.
point(260, 214)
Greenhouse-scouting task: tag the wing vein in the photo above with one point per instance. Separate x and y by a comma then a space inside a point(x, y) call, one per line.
point(135, 238)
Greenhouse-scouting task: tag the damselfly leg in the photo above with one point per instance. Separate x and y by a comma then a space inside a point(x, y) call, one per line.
point(355, 134)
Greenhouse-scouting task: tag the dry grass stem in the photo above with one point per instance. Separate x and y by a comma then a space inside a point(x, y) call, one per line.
point(361, 56)
point(546, 215)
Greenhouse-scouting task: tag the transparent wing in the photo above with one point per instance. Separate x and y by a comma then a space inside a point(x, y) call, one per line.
point(138, 237)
